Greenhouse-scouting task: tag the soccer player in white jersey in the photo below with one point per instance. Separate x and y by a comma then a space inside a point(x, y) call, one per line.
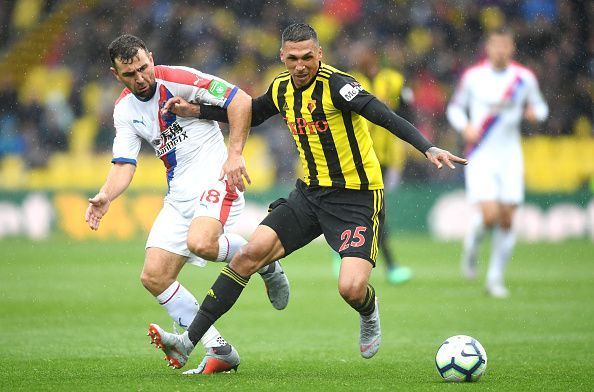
point(205, 183)
point(487, 108)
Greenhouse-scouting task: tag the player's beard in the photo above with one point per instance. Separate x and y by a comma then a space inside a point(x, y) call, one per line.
point(148, 93)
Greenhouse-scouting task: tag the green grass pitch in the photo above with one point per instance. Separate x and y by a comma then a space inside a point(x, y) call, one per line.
point(74, 317)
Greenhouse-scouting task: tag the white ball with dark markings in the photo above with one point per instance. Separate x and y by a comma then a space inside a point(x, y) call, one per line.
point(461, 358)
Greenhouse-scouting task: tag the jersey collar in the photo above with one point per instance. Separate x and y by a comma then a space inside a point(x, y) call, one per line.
point(499, 71)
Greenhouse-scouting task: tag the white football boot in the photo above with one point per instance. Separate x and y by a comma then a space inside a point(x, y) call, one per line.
point(277, 285)
point(217, 360)
point(176, 350)
point(497, 290)
point(371, 334)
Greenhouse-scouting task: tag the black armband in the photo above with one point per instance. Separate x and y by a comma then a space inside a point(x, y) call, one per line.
point(378, 113)
point(210, 112)
point(262, 110)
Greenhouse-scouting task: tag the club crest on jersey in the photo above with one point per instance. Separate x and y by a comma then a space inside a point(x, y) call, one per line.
point(311, 105)
point(350, 91)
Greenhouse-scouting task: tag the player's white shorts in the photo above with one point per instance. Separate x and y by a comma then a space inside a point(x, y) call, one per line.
point(170, 229)
point(499, 180)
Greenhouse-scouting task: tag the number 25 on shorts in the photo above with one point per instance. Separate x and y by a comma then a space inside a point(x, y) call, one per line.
point(357, 238)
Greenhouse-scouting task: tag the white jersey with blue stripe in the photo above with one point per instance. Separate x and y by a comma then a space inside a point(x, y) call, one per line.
point(494, 101)
point(192, 150)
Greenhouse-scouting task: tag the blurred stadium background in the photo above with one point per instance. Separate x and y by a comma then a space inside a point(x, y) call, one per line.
point(57, 94)
point(72, 311)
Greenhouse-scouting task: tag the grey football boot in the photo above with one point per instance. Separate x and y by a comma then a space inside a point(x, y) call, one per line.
point(277, 284)
point(371, 334)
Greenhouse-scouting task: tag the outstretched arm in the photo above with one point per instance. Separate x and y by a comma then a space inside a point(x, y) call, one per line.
point(118, 179)
point(378, 113)
point(348, 95)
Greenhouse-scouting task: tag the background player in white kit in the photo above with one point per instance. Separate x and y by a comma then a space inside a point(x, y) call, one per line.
point(200, 205)
point(487, 108)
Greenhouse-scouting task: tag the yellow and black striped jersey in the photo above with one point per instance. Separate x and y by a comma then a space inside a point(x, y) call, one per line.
point(333, 140)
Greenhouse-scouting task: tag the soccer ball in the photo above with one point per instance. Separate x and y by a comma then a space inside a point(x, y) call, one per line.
point(461, 358)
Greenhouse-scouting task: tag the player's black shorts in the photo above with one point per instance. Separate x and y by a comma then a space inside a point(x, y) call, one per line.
point(351, 220)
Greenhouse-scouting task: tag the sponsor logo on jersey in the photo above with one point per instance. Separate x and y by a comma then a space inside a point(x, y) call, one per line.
point(169, 138)
point(217, 89)
point(141, 121)
point(350, 91)
point(301, 126)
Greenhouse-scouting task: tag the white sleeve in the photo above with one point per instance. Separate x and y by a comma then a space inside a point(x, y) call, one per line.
point(534, 98)
point(126, 143)
point(457, 108)
point(198, 87)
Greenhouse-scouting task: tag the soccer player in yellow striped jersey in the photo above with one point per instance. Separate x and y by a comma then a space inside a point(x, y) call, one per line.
point(387, 85)
point(341, 195)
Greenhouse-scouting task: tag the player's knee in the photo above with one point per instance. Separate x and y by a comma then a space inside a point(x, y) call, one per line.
point(352, 290)
point(203, 247)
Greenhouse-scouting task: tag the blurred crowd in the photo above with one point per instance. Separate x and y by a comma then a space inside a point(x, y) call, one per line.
point(430, 42)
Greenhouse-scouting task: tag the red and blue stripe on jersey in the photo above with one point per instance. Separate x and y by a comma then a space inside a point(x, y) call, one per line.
point(180, 76)
point(488, 123)
point(165, 121)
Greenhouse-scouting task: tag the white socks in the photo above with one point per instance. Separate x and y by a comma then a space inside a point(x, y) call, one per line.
point(181, 305)
point(503, 245)
point(473, 240)
point(229, 244)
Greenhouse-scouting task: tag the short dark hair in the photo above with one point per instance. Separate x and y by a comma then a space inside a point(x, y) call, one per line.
point(298, 32)
point(125, 47)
